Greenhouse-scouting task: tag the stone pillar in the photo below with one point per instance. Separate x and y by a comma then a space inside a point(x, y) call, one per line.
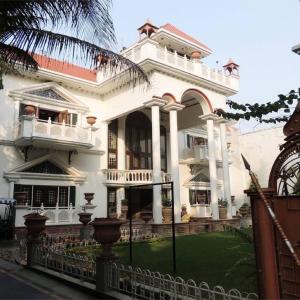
point(155, 104)
point(173, 107)
point(212, 163)
point(225, 167)
point(121, 159)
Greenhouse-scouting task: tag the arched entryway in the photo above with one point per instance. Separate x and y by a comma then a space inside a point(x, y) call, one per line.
point(138, 142)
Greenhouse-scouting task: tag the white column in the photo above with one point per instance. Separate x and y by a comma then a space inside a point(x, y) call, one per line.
point(173, 108)
point(225, 168)
point(155, 104)
point(212, 164)
point(121, 159)
point(104, 163)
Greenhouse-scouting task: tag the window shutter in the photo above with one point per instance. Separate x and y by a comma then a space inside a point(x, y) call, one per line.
point(72, 195)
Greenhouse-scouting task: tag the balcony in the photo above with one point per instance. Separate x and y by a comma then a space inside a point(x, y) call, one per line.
point(129, 177)
point(47, 134)
point(154, 51)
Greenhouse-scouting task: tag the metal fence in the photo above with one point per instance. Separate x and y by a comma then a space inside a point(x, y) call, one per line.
point(135, 282)
point(73, 265)
point(144, 284)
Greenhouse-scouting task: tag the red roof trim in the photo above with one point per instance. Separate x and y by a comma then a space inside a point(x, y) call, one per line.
point(171, 28)
point(64, 67)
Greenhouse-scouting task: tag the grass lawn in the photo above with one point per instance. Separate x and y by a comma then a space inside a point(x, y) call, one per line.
point(204, 257)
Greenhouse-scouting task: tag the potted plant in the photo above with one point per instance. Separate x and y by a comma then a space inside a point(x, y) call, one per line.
point(84, 217)
point(244, 209)
point(35, 224)
point(222, 208)
point(29, 110)
point(167, 210)
point(89, 197)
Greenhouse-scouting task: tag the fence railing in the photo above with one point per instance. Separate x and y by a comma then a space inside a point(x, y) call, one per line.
point(135, 282)
point(77, 266)
point(144, 284)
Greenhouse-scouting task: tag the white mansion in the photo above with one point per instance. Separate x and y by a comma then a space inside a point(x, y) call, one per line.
point(165, 131)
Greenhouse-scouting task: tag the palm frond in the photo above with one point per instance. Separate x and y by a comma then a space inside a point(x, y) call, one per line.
point(33, 40)
point(13, 58)
point(90, 19)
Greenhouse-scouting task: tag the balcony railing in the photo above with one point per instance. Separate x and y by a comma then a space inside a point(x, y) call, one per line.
point(124, 177)
point(198, 152)
point(151, 50)
point(32, 129)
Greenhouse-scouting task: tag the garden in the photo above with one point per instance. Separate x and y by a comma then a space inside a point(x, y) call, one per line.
point(219, 258)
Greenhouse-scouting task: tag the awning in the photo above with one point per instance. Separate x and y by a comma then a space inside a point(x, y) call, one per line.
point(8, 201)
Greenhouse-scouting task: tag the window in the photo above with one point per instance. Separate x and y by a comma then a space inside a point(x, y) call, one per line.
point(113, 145)
point(199, 197)
point(195, 141)
point(48, 195)
point(111, 201)
point(163, 148)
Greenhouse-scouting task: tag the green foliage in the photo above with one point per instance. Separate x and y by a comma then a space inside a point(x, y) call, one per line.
point(222, 202)
point(259, 111)
point(23, 33)
point(166, 202)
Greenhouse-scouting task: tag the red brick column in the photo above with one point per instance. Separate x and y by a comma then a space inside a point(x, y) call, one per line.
point(265, 247)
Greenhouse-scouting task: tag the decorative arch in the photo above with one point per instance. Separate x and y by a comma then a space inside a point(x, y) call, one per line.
point(209, 108)
point(169, 97)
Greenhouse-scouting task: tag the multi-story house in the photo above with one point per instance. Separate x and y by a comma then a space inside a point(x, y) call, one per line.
point(143, 134)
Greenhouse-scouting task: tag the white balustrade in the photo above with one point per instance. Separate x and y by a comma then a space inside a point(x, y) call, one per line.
point(32, 127)
point(132, 176)
point(179, 61)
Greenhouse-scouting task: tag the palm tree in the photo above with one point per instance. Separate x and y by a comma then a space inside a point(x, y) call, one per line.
point(31, 26)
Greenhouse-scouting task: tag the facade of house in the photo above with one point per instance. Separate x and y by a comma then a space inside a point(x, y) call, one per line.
point(143, 134)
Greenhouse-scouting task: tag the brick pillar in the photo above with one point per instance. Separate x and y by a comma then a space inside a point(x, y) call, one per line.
point(265, 247)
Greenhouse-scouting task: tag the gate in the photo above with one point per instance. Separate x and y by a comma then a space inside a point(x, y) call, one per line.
point(278, 273)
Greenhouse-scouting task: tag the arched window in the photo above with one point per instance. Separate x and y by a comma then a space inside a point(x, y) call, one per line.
point(138, 142)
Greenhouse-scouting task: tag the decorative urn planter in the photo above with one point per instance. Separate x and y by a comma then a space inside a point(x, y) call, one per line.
point(107, 232)
point(146, 215)
point(21, 198)
point(85, 218)
point(91, 120)
point(196, 55)
point(222, 212)
point(29, 110)
point(124, 210)
point(244, 211)
point(89, 197)
point(167, 214)
point(35, 224)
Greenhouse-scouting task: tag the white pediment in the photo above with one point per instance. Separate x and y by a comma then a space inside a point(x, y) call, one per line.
point(27, 170)
point(48, 93)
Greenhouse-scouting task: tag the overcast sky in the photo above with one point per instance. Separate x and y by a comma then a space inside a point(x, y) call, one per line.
point(258, 34)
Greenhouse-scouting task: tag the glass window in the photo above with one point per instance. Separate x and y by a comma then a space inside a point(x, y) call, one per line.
point(199, 197)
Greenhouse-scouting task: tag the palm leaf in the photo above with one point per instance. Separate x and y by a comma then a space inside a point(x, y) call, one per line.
point(12, 58)
point(32, 40)
point(90, 19)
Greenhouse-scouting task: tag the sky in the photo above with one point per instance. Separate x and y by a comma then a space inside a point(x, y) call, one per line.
point(257, 34)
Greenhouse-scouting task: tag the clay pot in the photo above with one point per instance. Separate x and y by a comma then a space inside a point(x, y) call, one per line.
point(29, 110)
point(222, 212)
point(20, 197)
point(196, 55)
point(146, 215)
point(91, 120)
point(85, 217)
point(107, 232)
point(89, 197)
point(35, 224)
point(167, 214)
